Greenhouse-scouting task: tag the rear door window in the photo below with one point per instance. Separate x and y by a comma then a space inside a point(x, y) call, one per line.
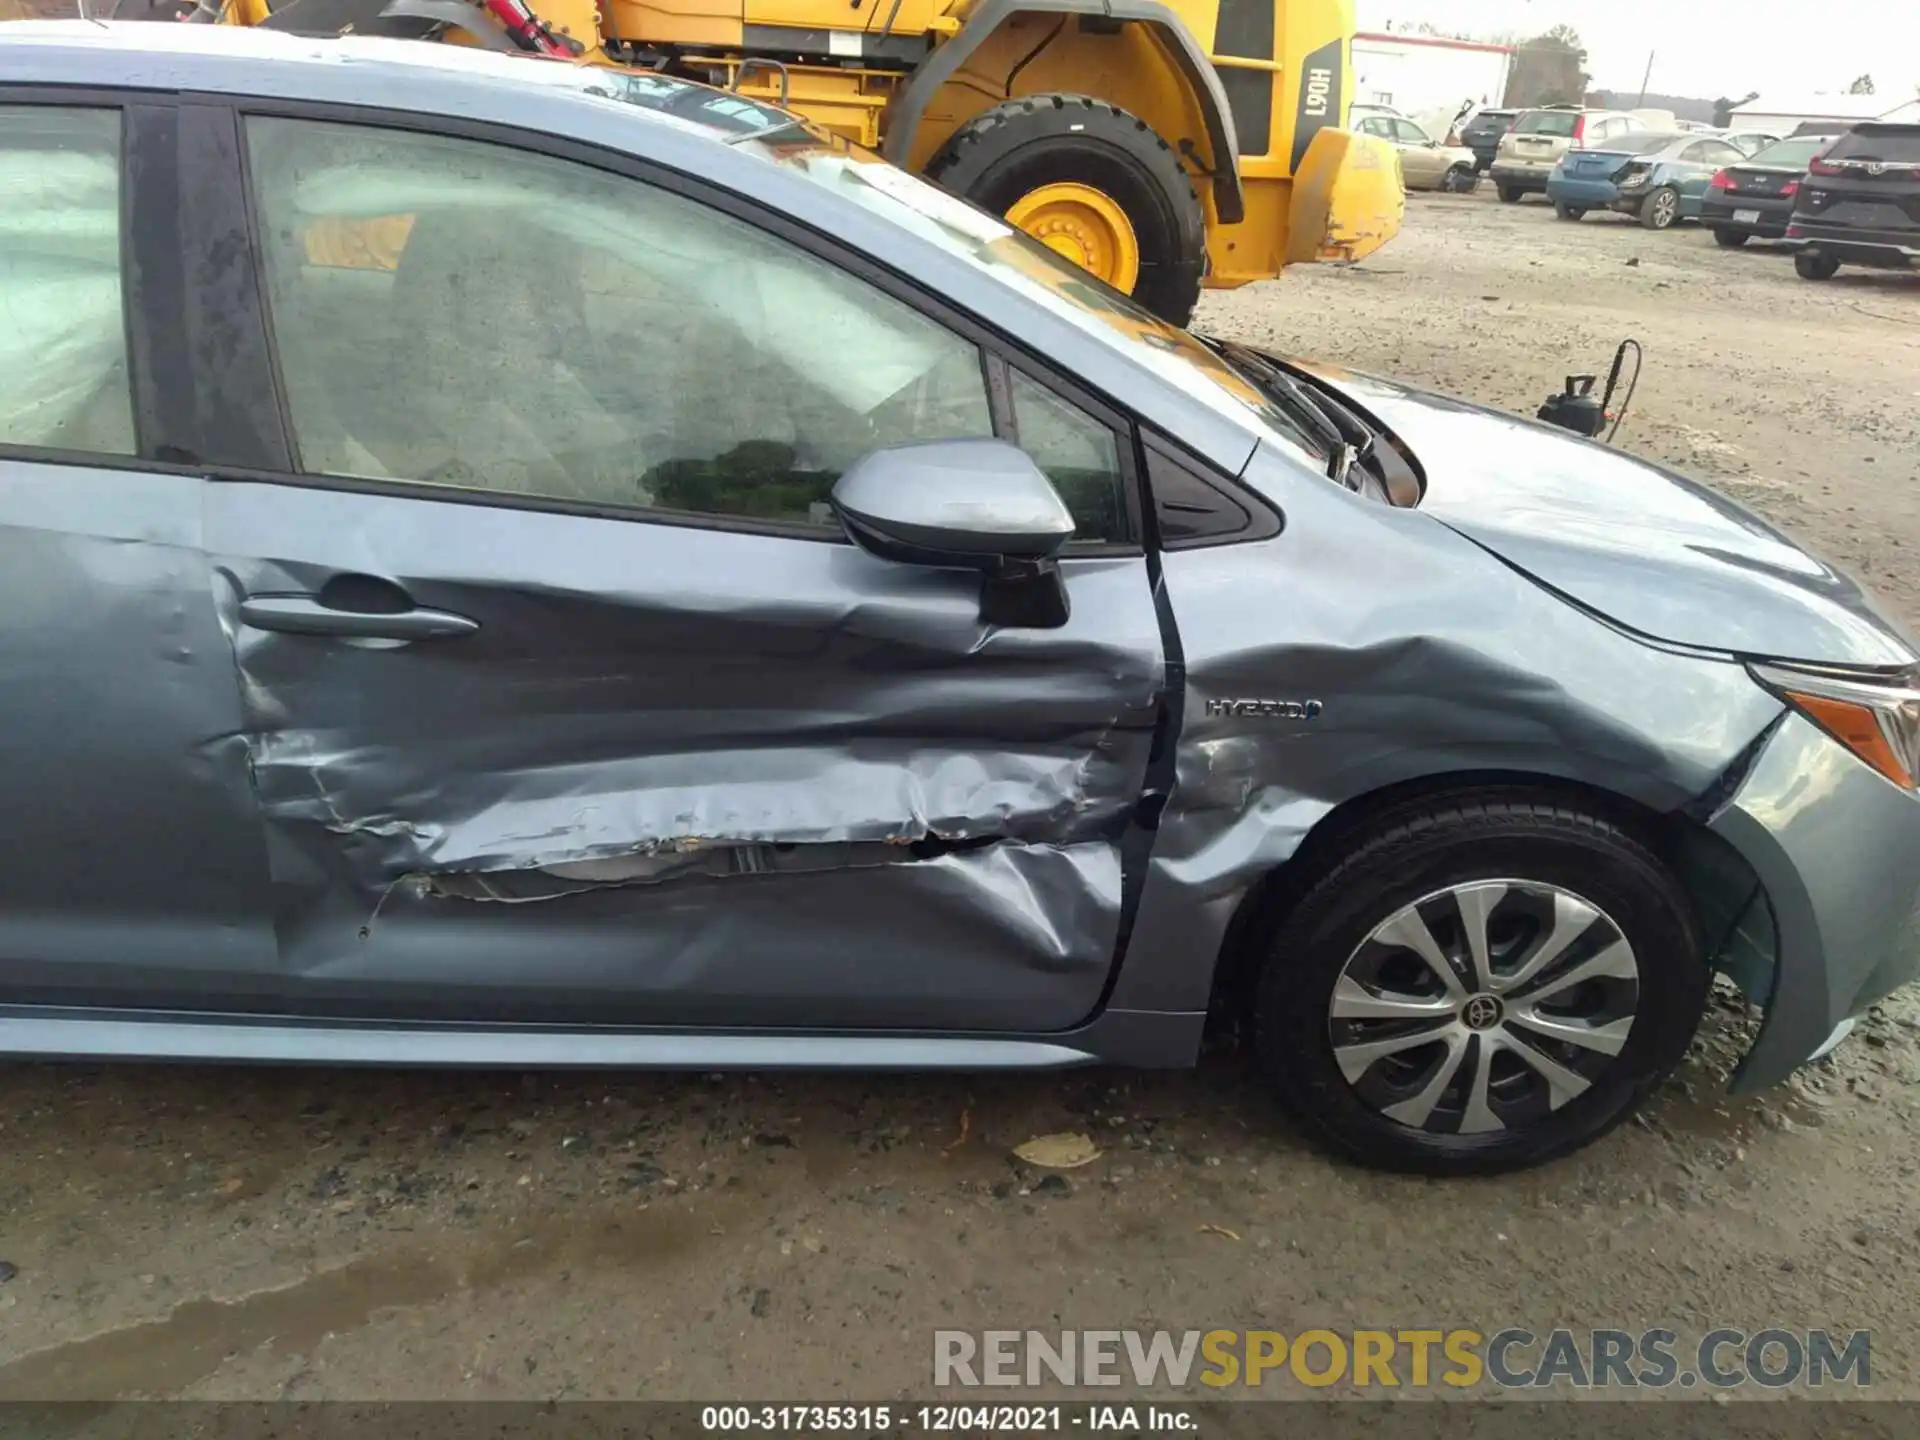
point(63, 337)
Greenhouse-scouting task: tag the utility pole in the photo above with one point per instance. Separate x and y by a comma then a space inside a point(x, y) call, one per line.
point(1645, 80)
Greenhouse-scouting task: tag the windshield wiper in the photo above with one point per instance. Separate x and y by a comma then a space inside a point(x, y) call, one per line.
point(1348, 439)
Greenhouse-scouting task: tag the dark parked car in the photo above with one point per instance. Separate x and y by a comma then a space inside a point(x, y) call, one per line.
point(1860, 203)
point(1756, 197)
point(1482, 135)
point(498, 575)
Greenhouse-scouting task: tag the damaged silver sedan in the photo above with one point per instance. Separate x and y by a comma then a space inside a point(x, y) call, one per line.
point(512, 565)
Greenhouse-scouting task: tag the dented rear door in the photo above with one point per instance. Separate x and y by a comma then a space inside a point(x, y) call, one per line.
point(132, 872)
point(565, 700)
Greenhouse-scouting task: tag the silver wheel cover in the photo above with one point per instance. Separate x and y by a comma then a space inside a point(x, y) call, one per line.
point(1483, 1007)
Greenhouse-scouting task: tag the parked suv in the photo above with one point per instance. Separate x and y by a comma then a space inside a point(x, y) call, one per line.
point(1528, 152)
point(1482, 135)
point(1860, 203)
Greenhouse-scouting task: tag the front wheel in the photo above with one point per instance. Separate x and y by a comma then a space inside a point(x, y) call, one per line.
point(1812, 265)
point(1728, 239)
point(1569, 212)
point(1091, 182)
point(1460, 180)
point(1661, 209)
point(1479, 985)
point(1509, 194)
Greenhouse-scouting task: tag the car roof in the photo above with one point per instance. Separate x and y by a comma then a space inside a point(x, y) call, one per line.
point(240, 60)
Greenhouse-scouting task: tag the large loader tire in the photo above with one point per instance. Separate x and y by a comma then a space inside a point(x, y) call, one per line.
point(1094, 183)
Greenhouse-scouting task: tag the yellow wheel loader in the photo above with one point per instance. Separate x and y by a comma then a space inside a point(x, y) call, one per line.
point(1161, 144)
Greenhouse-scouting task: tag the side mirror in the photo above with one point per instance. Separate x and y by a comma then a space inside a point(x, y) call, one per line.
point(964, 505)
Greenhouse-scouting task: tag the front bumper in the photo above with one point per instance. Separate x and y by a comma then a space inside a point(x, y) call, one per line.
point(1836, 850)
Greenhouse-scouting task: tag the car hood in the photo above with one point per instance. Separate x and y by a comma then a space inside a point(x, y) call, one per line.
point(1651, 550)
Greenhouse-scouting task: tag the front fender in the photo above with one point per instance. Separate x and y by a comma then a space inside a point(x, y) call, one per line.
point(1428, 658)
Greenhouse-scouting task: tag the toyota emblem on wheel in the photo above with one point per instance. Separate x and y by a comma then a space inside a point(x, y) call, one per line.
point(1482, 1012)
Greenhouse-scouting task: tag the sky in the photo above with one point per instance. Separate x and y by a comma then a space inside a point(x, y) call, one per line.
point(1702, 48)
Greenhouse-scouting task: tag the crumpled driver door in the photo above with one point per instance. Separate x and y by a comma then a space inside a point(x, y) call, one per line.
point(646, 774)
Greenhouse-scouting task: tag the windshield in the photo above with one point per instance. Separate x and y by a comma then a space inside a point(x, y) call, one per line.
point(1548, 122)
point(1016, 259)
point(1792, 154)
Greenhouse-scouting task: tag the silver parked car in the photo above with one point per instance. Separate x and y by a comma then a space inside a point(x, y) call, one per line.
point(511, 564)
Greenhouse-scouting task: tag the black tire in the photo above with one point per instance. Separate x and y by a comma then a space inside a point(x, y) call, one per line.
point(1003, 153)
point(1813, 265)
point(1661, 209)
point(1460, 180)
point(1420, 849)
point(1569, 212)
point(1728, 238)
point(1509, 194)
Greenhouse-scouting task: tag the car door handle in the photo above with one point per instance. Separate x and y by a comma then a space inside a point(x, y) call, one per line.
point(305, 615)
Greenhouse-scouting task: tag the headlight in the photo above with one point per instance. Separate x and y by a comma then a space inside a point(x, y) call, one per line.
point(1877, 719)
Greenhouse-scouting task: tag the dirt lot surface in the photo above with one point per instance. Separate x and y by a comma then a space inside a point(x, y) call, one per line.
point(303, 1234)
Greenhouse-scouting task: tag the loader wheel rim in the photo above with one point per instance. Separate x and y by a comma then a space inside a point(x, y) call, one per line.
point(1086, 225)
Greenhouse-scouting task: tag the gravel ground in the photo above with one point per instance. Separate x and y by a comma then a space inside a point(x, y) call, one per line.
point(302, 1234)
